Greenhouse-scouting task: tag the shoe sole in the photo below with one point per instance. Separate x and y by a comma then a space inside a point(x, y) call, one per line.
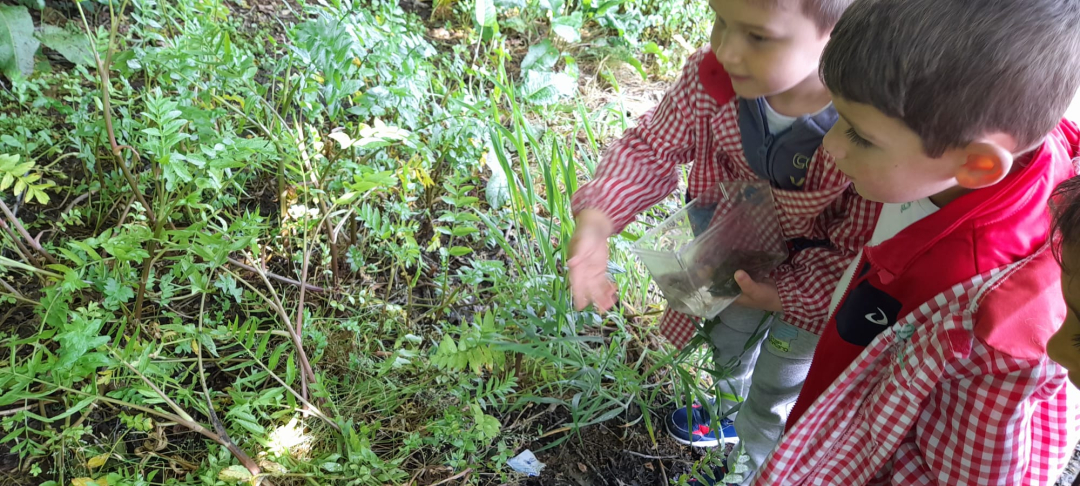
point(700, 443)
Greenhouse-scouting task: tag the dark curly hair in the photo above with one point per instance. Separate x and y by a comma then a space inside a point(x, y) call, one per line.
point(1065, 206)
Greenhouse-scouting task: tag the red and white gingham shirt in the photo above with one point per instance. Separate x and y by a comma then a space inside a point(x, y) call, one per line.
point(640, 169)
point(928, 402)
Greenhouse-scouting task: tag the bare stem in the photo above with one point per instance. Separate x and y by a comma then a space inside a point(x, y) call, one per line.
point(19, 247)
point(252, 466)
point(26, 235)
point(279, 278)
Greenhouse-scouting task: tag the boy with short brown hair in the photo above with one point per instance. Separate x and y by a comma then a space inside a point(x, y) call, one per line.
point(933, 366)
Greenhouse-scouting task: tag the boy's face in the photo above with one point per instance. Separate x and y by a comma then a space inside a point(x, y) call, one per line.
point(1064, 346)
point(885, 159)
point(766, 51)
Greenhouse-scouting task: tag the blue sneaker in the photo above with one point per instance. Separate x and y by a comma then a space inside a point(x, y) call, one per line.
point(693, 426)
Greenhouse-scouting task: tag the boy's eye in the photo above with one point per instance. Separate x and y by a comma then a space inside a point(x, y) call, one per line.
point(757, 37)
point(856, 139)
point(1076, 340)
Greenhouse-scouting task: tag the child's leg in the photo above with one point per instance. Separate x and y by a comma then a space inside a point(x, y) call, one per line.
point(778, 376)
point(735, 350)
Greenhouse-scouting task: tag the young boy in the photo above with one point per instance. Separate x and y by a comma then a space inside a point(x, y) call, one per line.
point(1063, 347)
point(752, 107)
point(933, 367)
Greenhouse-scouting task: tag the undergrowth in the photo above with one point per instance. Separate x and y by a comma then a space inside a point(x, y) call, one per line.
point(325, 251)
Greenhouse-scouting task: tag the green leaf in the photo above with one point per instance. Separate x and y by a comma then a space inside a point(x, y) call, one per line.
point(7, 162)
point(460, 251)
point(17, 41)
point(117, 293)
point(546, 88)
point(485, 13)
point(489, 426)
point(568, 27)
point(40, 195)
point(80, 337)
point(542, 56)
point(72, 45)
point(607, 5)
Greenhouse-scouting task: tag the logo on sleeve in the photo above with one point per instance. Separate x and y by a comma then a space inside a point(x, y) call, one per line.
point(866, 312)
point(878, 317)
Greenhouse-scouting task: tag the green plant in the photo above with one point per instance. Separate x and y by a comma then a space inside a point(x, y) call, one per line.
point(328, 250)
point(17, 176)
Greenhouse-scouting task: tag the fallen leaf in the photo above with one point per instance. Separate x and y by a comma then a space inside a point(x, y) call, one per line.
point(83, 482)
point(649, 466)
point(97, 461)
point(581, 467)
point(234, 474)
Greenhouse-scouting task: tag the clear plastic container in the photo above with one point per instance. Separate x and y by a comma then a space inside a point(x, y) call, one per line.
point(694, 254)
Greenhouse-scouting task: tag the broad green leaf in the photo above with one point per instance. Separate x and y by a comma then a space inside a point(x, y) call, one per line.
point(7, 162)
point(72, 45)
point(568, 27)
point(460, 251)
point(546, 88)
point(485, 13)
point(17, 41)
point(541, 56)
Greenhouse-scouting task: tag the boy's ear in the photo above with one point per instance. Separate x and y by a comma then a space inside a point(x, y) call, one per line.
point(987, 162)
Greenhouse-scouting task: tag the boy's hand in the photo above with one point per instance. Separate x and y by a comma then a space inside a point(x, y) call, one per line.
point(757, 295)
point(588, 264)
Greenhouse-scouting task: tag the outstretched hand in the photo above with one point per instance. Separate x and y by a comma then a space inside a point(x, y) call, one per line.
point(588, 264)
point(757, 295)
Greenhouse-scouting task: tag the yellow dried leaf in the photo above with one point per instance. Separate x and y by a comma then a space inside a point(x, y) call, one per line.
point(105, 377)
point(83, 482)
point(97, 461)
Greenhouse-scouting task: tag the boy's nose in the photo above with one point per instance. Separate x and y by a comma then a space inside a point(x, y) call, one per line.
point(833, 144)
point(729, 53)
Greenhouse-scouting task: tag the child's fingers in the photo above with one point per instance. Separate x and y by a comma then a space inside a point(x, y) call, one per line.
point(592, 288)
point(607, 296)
point(757, 294)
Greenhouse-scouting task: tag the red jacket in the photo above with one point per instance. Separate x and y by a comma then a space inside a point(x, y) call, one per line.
point(922, 277)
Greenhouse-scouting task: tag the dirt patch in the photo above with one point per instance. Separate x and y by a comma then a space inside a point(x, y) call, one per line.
point(270, 15)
